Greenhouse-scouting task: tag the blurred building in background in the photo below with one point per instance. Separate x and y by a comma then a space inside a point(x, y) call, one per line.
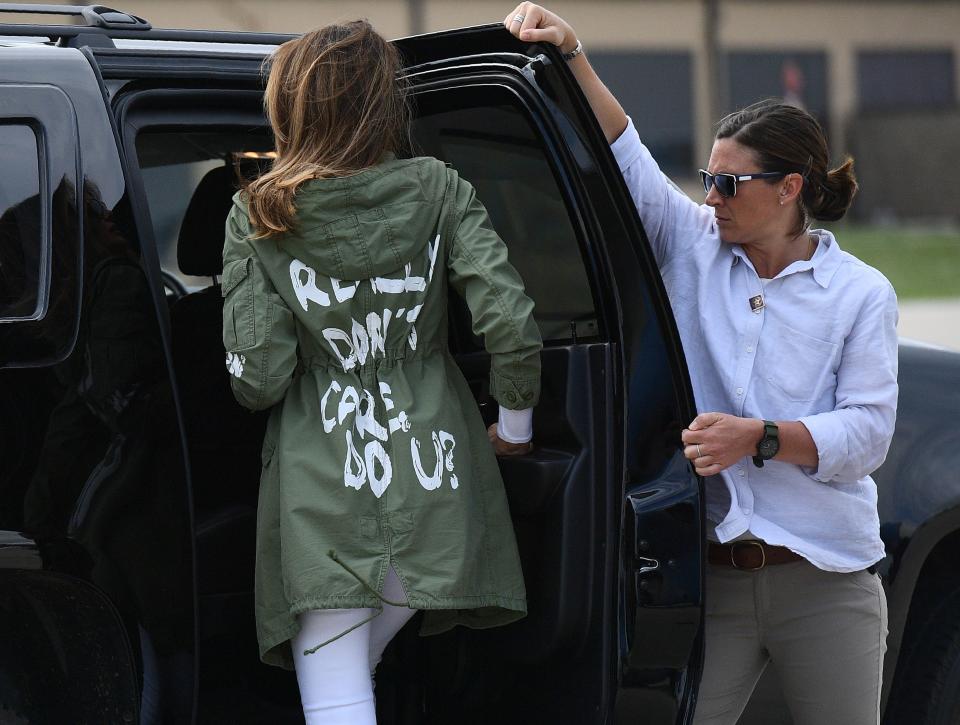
point(883, 76)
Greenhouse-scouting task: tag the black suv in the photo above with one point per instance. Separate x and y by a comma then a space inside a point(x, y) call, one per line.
point(128, 475)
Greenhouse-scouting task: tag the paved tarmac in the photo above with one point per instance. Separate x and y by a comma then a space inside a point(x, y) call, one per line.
point(933, 321)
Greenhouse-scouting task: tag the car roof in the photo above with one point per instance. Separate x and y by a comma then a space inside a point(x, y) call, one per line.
point(147, 44)
point(101, 27)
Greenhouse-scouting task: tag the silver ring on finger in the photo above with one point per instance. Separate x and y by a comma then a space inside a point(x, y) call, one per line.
point(699, 451)
point(519, 17)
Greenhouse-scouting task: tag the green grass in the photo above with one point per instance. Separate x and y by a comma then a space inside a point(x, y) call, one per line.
point(919, 263)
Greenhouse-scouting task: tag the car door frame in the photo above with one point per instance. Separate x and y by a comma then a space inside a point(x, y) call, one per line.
point(661, 582)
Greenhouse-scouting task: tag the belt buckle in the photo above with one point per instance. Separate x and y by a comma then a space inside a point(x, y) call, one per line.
point(733, 560)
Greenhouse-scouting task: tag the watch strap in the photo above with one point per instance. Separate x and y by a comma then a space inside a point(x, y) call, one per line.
point(770, 431)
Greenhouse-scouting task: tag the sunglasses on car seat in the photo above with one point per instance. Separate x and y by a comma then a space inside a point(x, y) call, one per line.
point(727, 183)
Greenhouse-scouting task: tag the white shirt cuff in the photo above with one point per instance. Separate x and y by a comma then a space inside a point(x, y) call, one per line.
point(515, 426)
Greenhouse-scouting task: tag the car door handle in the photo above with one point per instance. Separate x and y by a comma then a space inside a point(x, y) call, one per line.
point(646, 565)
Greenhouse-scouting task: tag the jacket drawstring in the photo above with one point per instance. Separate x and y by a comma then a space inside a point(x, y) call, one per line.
point(333, 555)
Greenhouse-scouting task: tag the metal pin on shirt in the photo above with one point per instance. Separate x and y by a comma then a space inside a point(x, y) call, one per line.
point(756, 303)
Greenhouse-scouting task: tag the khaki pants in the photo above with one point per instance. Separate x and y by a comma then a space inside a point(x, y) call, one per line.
point(825, 633)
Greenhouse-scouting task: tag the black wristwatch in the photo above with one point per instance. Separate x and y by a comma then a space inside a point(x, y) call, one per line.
point(769, 445)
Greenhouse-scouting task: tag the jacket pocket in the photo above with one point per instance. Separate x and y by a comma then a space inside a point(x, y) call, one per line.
point(803, 366)
point(239, 315)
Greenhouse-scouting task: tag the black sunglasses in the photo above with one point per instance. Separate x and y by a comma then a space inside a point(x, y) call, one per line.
point(727, 183)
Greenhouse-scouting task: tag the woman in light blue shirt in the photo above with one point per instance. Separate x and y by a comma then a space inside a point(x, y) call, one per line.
point(792, 349)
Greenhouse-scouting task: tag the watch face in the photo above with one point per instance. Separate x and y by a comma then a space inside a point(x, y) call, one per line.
point(768, 447)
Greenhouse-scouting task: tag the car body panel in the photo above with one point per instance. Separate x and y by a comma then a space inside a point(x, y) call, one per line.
point(93, 481)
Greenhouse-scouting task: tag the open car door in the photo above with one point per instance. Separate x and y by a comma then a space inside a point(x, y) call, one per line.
point(607, 511)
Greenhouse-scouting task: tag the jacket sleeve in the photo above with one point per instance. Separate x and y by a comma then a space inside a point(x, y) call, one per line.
point(852, 440)
point(258, 328)
point(502, 313)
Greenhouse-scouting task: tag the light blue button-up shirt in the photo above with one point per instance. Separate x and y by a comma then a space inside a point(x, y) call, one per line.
point(822, 350)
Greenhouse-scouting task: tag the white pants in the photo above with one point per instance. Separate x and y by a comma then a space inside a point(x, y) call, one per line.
point(336, 681)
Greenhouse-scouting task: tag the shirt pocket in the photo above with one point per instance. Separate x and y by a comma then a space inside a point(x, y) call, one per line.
point(803, 366)
point(239, 313)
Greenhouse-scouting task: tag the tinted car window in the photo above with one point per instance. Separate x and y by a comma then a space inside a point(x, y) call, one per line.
point(496, 149)
point(172, 165)
point(20, 231)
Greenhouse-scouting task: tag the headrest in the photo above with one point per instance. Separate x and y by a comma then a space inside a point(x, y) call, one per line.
point(200, 245)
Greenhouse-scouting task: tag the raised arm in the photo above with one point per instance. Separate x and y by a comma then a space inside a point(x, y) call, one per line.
point(502, 314)
point(539, 25)
point(673, 222)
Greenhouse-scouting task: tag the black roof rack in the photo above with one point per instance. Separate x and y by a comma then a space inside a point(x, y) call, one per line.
point(99, 25)
point(93, 16)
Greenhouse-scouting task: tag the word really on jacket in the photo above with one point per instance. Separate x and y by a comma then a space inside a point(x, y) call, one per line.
point(365, 341)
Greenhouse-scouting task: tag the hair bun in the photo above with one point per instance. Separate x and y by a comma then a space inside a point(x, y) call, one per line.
point(836, 193)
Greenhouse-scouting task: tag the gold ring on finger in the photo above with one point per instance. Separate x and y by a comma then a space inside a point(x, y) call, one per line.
point(699, 451)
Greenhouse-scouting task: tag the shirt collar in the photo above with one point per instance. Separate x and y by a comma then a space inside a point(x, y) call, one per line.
point(823, 264)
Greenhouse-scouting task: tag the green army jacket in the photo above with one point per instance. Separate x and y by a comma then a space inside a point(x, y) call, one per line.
point(375, 452)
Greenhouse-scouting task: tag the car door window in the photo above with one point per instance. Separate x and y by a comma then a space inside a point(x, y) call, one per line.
point(498, 151)
point(493, 147)
point(41, 208)
point(20, 231)
point(173, 163)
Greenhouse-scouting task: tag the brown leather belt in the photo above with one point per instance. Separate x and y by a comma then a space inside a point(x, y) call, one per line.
point(749, 555)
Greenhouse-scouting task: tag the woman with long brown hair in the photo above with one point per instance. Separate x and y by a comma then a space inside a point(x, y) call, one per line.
point(791, 345)
point(380, 493)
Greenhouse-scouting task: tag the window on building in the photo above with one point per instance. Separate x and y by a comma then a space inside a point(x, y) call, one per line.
point(799, 78)
point(656, 89)
point(898, 79)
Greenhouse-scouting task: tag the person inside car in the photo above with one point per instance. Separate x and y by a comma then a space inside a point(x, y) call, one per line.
point(380, 492)
point(792, 349)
